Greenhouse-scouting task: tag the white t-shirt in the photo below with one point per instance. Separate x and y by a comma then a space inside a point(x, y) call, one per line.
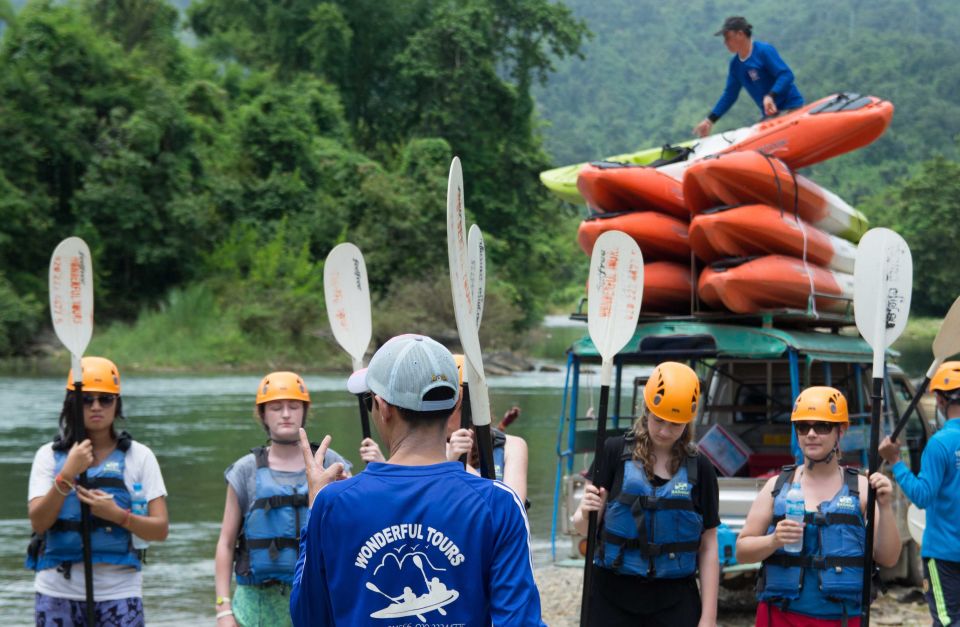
point(110, 581)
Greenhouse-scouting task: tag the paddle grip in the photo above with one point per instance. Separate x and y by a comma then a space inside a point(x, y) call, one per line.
point(364, 417)
point(876, 398)
point(485, 444)
point(592, 520)
point(913, 405)
point(466, 416)
point(79, 435)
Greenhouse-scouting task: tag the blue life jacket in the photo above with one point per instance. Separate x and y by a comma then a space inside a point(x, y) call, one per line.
point(110, 543)
point(270, 540)
point(651, 532)
point(825, 579)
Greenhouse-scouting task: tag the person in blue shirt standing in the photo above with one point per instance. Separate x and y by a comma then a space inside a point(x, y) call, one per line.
point(417, 540)
point(937, 490)
point(757, 67)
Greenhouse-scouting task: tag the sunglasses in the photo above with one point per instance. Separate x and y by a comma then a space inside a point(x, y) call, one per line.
point(820, 428)
point(106, 400)
point(367, 398)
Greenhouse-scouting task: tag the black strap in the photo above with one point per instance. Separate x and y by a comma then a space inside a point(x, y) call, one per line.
point(693, 469)
point(61, 525)
point(786, 474)
point(821, 519)
point(280, 500)
point(275, 545)
point(813, 561)
point(650, 549)
point(260, 453)
point(106, 482)
point(654, 502)
point(851, 476)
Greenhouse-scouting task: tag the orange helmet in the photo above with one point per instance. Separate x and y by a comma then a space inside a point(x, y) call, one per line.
point(821, 403)
point(282, 385)
point(672, 392)
point(99, 375)
point(460, 360)
point(947, 377)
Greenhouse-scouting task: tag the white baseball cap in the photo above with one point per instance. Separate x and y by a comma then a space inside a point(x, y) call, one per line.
point(405, 369)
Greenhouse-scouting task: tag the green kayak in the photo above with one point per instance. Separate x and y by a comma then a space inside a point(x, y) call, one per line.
point(562, 181)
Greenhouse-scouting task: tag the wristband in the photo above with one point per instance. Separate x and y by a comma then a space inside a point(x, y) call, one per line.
point(56, 486)
point(126, 518)
point(224, 613)
point(59, 479)
point(222, 600)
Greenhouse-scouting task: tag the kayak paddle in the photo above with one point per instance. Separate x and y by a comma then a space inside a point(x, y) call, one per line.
point(477, 268)
point(71, 309)
point(883, 280)
point(347, 297)
point(946, 343)
point(615, 291)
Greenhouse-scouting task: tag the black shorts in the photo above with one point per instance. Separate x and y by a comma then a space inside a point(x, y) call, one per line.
point(941, 588)
point(638, 602)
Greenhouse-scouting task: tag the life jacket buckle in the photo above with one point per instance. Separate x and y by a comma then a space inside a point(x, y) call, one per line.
point(819, 518)
point(653, 550)
point(650, 502)
point(818, 561)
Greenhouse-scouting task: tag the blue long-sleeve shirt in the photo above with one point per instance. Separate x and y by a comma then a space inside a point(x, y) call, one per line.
point(399, 545)
point(937, 490)
point(762, 73)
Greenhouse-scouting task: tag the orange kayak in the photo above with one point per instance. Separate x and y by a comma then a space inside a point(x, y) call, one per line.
point(750, 230)
point(614, 187)
point(659, 235)
point(819, 131)
point(774, 282)
point(750, 177)
point(667, 287)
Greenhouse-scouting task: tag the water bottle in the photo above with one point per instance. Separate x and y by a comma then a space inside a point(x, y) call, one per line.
point(138, 506)
point(795, 511)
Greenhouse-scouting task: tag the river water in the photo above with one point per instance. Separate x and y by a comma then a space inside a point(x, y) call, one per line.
point(199, 425)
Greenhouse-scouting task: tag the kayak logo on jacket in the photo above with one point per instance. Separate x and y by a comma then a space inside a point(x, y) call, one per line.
point(408, 561)
point(753, 74)
point(682, 488)
point(846, 502)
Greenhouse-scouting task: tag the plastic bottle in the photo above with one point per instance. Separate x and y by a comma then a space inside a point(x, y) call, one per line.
point(138, 507)
point(795, 511)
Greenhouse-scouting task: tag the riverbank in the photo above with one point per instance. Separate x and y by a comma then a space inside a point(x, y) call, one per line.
point(561, 589)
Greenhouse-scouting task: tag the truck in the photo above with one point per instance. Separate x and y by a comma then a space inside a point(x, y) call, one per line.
point(751, 374)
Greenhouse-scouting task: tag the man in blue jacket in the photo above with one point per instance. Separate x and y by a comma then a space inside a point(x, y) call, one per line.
point(417, 540)
point(937, 490)
point(757, 67)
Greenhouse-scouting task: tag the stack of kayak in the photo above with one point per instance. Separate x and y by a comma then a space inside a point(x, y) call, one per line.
point(768, 238)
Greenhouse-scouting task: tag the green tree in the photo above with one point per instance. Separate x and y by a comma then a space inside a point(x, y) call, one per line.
point(924, 210)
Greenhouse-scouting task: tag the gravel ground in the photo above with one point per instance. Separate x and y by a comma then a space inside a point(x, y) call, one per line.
point(561, 588)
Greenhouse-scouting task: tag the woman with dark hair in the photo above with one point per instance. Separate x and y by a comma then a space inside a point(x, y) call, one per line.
point(115, 465)
point(658, 506)
point(265, 510)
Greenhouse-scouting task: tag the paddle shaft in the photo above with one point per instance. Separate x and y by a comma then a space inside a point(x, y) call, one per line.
point(876, 398)
point(593, 517)
point(364, 417)
point(485, 446)
point(913, 405)
point(466, 413)
point(79, 435)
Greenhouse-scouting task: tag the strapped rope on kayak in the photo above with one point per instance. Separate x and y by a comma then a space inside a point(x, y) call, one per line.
point(811, 301)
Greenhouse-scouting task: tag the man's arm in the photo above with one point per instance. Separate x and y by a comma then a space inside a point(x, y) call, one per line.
point(514, 598)
point(309, 596)
point(776, 66)
point(922, 490)
point(730, 94)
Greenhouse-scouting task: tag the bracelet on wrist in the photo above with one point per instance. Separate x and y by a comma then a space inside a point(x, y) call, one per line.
point(222, 600)
point(56, 486)
point(61, 479)
point(126, 518)
point(224, 613)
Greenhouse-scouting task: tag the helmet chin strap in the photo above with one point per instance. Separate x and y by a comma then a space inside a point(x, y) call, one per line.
point(285, 442)
point(825, 460)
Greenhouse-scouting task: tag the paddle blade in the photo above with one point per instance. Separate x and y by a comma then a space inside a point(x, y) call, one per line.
point(947, 342)
point(615, 290)
point(463, 297)
point(477, 268)
point(883, 281)
point(347, 296)
point(71, 294)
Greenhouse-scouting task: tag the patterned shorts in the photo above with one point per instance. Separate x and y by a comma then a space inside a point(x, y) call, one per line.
point(55, 612)
point(262, 606)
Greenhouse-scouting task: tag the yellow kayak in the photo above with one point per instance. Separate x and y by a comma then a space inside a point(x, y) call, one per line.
point(562, 181)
